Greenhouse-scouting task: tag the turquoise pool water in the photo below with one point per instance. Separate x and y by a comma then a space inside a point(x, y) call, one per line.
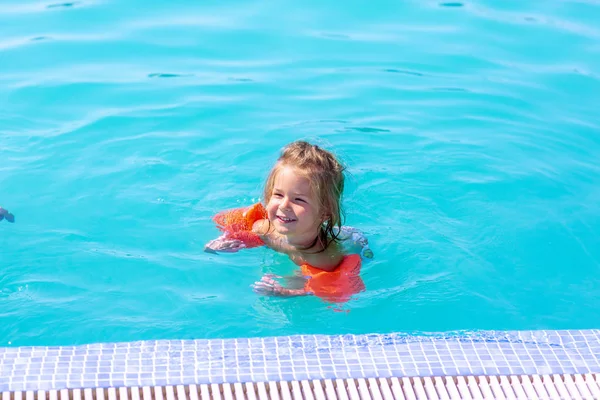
point(471, 131)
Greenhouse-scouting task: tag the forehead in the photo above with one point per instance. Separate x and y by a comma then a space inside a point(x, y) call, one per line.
point(289, 178)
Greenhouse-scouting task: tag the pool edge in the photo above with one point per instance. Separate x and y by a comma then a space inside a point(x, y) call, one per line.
point(300, 357)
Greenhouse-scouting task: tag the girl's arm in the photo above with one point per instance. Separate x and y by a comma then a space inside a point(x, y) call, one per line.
point(269, 286)
point(234, 241)
point(223, 244)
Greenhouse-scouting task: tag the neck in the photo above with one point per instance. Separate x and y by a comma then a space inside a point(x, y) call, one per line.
point(305, 243)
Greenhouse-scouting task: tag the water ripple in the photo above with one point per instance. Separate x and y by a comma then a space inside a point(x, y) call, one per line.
point(62, 5)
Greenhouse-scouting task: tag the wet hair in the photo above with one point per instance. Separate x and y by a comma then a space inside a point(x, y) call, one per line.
point(326, 176)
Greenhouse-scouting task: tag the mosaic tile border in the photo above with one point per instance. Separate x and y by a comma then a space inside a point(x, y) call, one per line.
point(174, 362)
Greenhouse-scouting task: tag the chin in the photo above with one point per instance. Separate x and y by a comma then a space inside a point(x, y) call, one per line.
point(284, 230)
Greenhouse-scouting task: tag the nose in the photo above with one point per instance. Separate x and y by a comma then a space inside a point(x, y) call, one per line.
point(285, 203)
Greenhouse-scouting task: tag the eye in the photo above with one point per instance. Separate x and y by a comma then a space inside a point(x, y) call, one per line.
point(278, 195)
point(300, 200)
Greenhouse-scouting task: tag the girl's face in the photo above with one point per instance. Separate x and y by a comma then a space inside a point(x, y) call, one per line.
point(293, 209)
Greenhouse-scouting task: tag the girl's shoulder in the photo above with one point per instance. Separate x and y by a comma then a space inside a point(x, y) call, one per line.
point(261, 226)
point(327, 260)
point(271, 239)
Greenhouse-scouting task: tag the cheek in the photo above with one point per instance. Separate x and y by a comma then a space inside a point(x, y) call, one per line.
point(271, 208)
point(304, 212)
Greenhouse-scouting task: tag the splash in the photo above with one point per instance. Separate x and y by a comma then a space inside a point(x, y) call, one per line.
point(5, 214)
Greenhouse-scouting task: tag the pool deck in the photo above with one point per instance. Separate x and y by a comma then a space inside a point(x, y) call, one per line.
point(298, 358)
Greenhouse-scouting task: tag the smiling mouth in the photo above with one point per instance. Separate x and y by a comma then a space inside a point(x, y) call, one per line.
point(285, 220)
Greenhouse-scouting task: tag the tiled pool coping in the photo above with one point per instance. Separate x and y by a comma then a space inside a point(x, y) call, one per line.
point(179, 362)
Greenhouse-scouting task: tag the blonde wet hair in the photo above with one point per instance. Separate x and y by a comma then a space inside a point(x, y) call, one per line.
point(326, 176)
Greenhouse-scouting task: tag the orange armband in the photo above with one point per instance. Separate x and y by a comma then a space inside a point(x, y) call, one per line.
point(336, 286)
point(237, 223)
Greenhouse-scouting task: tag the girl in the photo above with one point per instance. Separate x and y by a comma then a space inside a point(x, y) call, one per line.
point(302, 217)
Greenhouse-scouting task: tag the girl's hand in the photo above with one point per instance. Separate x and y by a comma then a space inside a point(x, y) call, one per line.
point(354, 241)
point(270, 287)
point(223, 244)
